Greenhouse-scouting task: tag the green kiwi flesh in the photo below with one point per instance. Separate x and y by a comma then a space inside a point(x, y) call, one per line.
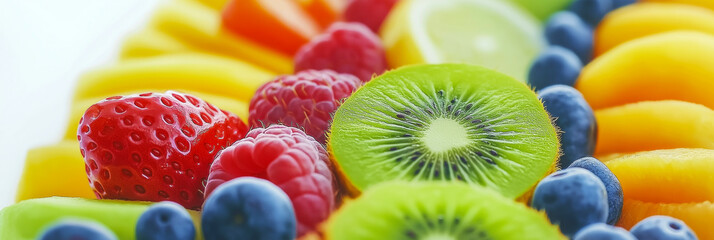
point(433, 210)
point(444, 122)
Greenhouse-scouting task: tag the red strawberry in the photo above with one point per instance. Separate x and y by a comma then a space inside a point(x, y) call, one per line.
point(153, 146)
point(305, 100)
point(345, 48)
point(371, 13)
point(290, 159)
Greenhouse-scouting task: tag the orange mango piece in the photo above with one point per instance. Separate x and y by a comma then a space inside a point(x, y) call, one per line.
point(324, 12)
point(698, 215)
point(280, 24)
point(54, 170)
point(200, 28)
point(644, 19)
point(674, 65)
point(702, 3)
point(675, 182)
point(653, 125)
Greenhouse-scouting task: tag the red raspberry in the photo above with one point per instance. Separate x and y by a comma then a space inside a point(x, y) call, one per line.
point(154, 146)
point(346, 48)
point(290, 159)
point(371, 13)
point(305, 100)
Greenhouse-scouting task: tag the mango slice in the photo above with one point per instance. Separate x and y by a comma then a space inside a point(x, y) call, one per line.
point(200, 27)
point(675, 65)
point(237, 107)
point(644, 19)
point(55, 170)
point(702, 3)
point(675, 182)
point(654, 125)
point(27, 219)
point(196, 72)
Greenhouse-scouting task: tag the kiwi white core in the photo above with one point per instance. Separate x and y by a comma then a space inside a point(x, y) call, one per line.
point(445, 134)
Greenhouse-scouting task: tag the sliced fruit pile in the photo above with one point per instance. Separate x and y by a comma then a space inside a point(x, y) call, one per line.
point(386, 119)
point(642, 78)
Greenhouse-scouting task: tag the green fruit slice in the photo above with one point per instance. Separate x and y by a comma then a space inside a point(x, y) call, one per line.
point(27, 219)
point(437, 211)
point(447, 122)
point(495, 34)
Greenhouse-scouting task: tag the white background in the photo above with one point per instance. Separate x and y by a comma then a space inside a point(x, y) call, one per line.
point(44, 46)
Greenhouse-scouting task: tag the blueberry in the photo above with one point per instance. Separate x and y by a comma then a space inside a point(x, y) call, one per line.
point(575, 118)
point(556, 65)
point(621, 3)
point(601, 231)
point(662, 228)
point(248, 208)
point(612, 185)
point(567, 30)
point(77, 230)
point(591, 11)
point(572, 198)
point(165, 221)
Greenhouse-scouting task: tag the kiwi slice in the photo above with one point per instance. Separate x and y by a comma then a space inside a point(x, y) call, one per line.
point(443, 211)
point(444, 122)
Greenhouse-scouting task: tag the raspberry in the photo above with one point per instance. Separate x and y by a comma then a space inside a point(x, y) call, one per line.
point(371, 13)
point(290, 159)
point(345, 48)
point(305, 100)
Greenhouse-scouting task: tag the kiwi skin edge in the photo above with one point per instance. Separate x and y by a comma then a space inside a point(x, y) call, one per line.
point(347, 190)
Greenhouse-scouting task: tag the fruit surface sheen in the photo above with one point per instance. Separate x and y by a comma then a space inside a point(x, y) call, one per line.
point(448, 122)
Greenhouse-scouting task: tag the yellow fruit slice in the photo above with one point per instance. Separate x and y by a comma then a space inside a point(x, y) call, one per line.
point(215, 4)
point(495, 34)
point(675, 65)
point(654, 125)
point(54, 170)
point(239, 108)
point(200, 27)
point(675, 182)
point(702, 3)
point(149, 43)
point(196, 72)
point(639, 20)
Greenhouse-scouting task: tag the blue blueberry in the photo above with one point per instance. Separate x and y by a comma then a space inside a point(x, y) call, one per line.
point(621, 3)
point(572, 198)
point(662, 228)
point(612, 185)
point(601, 231)
point(567, 30)
point(248, 208)
point(165, 221)
point(556, 65)
point(575, 119)
point(591, 11)
point(77, 230)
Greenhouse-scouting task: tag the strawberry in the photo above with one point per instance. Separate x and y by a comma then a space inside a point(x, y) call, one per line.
point(154, 146)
